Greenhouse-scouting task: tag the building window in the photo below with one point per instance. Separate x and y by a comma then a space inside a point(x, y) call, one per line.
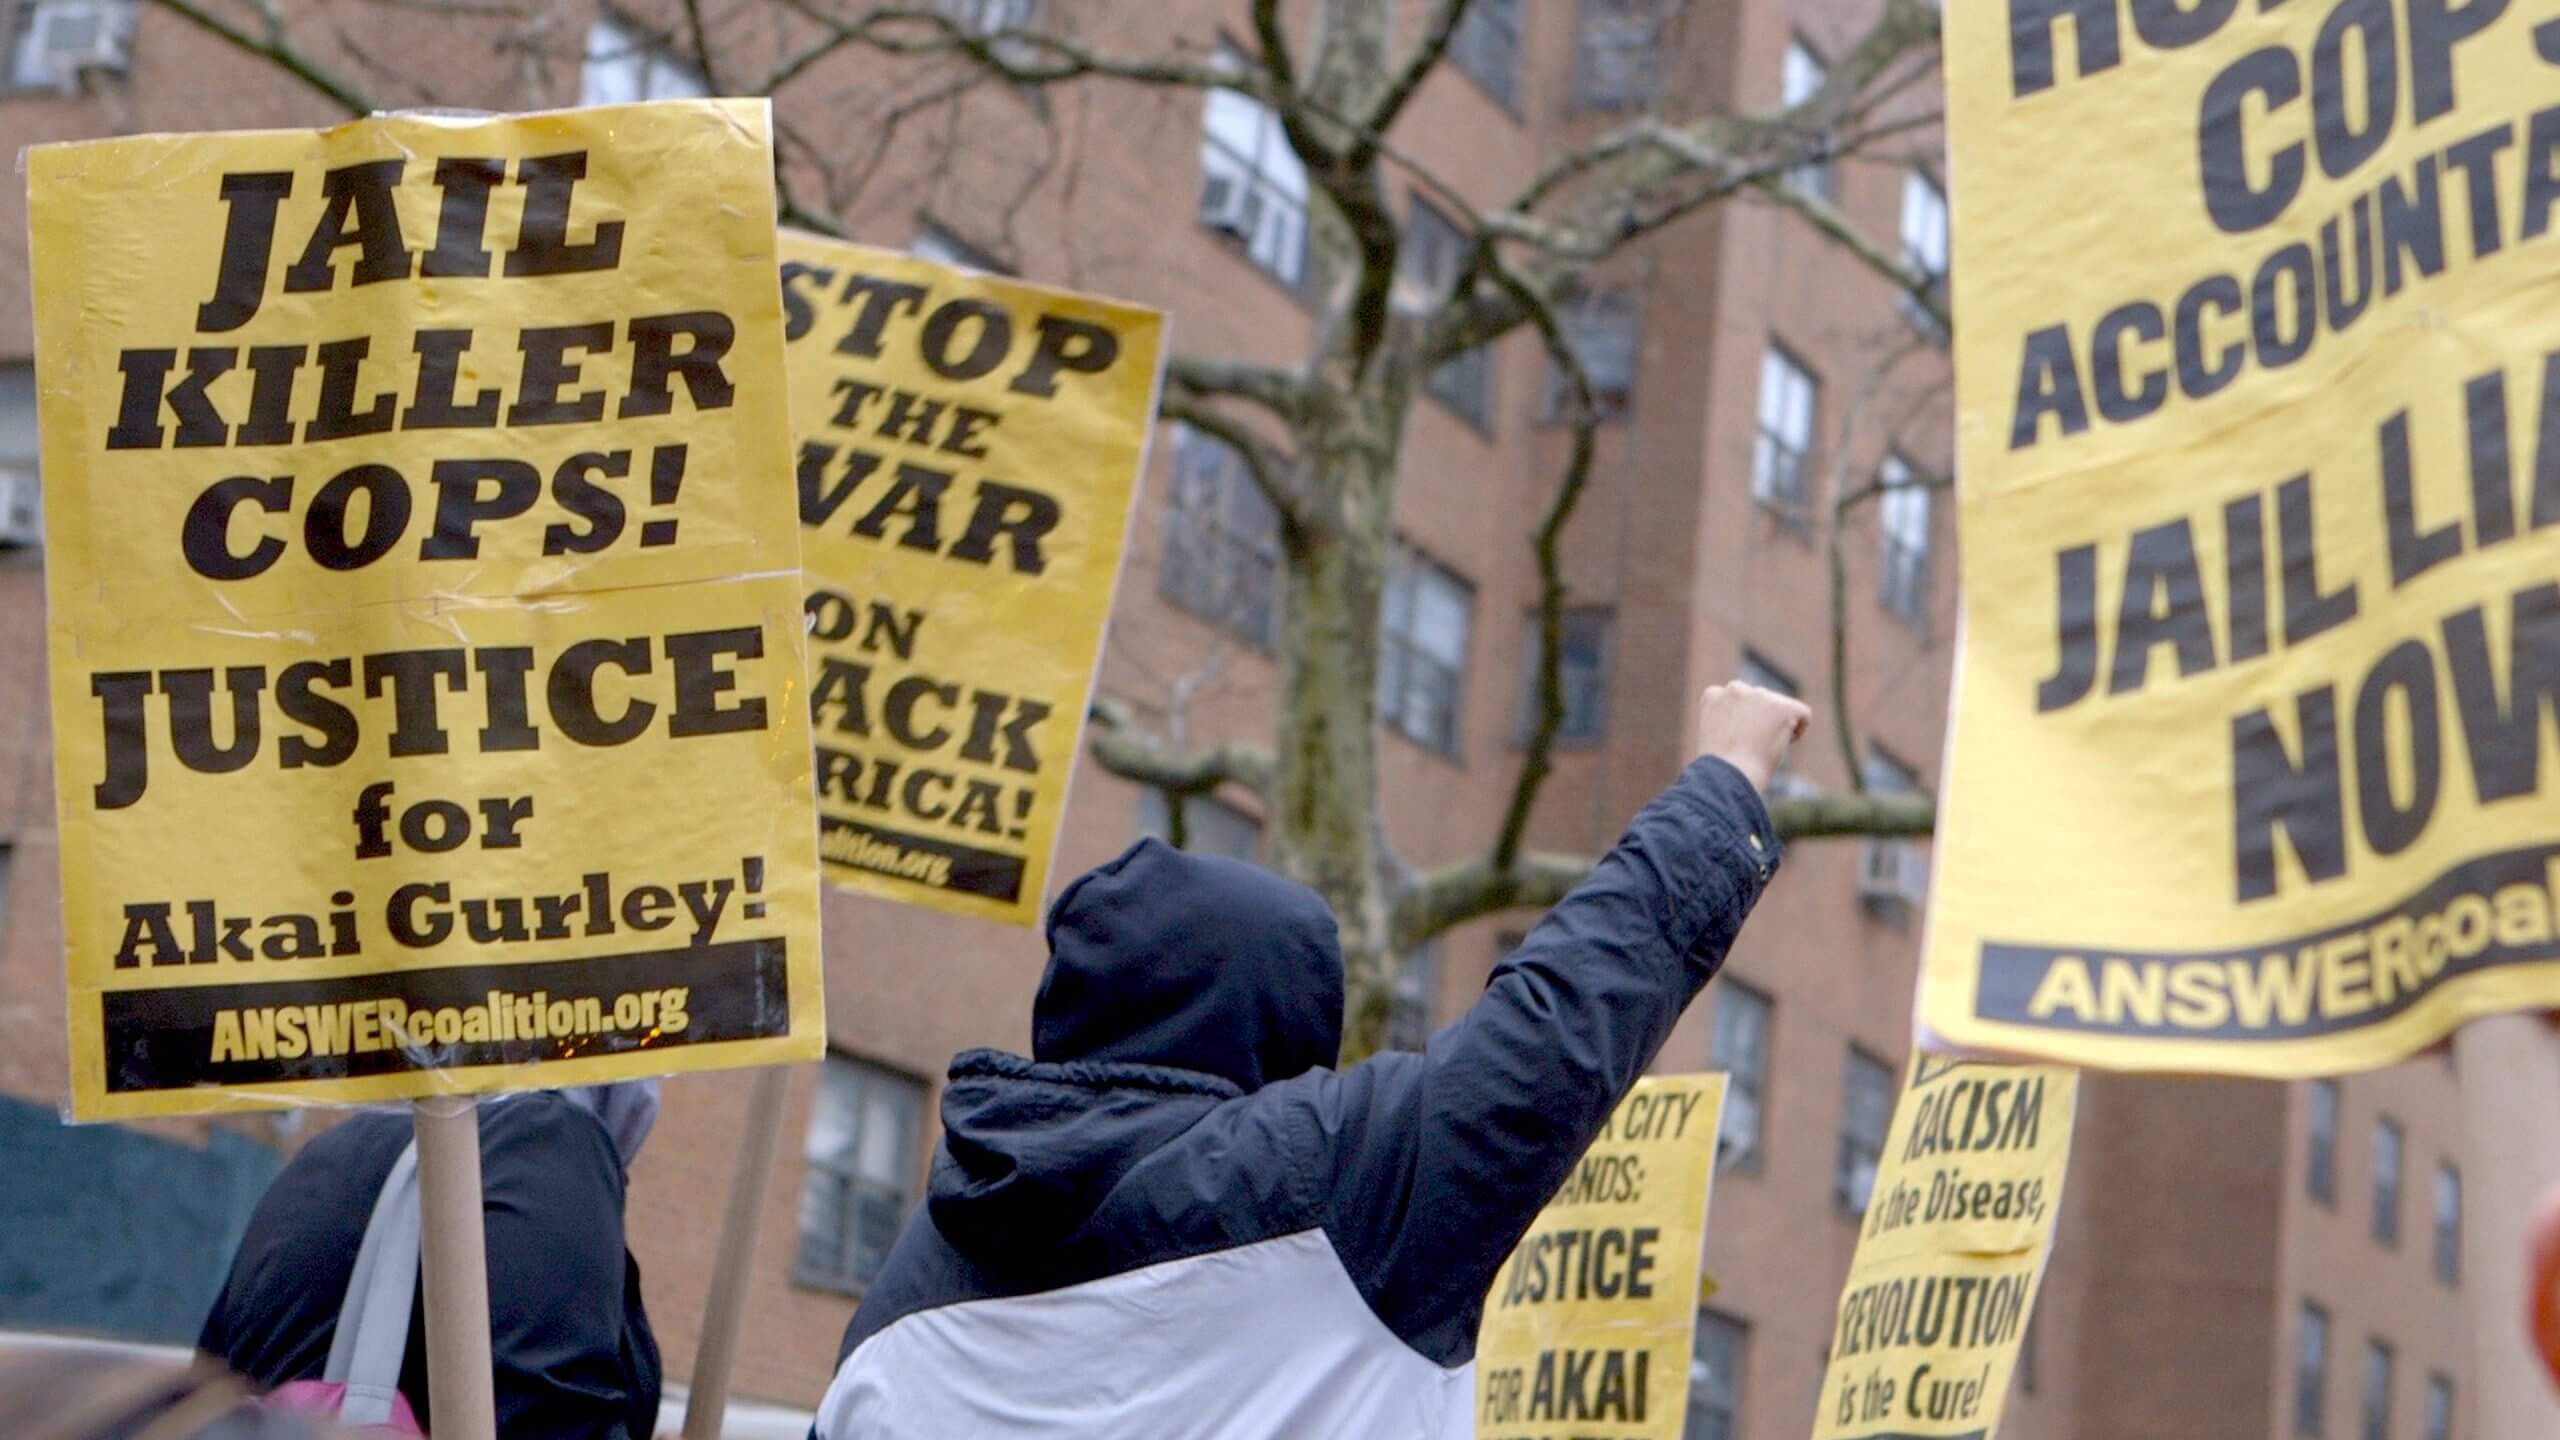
point(2311, 1371)
point(865, 1131)
point(1253, 188)
point(989, 17)
point(1739, 1047)
point(2448, 1224)
point(1802, 75)
point(1582, 668)
point(21, 498)
point(1895, 873)
point(1617, 56)
point(1924, 240)
point(1781, 457)
point(1866, 1112)
point(2386, 1182)
point(622, 67)
point(1602, 328)
point(1905, 507)
point(2439, 1408)
point(1409, 1009)
point(1221, 540)
point(2377, 1391)
point(1434, 258)
point(1210, 826)
point(1486, 45)
point(936, 244)
point(50, 39)
point(2321, 1169)
point(1715, 1378)
point(1422, 654)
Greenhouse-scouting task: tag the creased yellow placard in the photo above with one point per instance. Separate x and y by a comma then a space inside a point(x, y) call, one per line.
point(1958, 1224)
point(428, 681)
point(1588, 1327)
point(2258, 708)
point(969, 455)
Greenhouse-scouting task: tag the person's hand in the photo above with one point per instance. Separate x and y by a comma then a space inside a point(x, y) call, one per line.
point(2543, 1281)
point(1749, 728)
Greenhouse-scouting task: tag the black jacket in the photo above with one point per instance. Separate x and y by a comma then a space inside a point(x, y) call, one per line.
point(575, 1358)
point(1173, 1219)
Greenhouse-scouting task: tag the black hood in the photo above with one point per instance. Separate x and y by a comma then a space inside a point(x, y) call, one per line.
point(1175, 981)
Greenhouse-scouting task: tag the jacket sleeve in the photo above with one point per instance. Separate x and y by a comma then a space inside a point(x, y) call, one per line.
point(1437, 1162)
point(559, 1277)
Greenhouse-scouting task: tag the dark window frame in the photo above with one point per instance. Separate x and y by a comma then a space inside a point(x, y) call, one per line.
point(2311, 1369)
point(1750, 1083)
point(2320, 1158)
point(2386, 1187)
point(857, 1257)
point(1618, 50)
point(1222, 557)
point(1490, 47)
point(1588, 726)
point(1855, 1146)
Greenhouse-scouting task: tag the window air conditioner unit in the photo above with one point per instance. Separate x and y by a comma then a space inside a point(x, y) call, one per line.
point(1892, 872)
point(75, 36)
point(1229, 206)
point(21, 512)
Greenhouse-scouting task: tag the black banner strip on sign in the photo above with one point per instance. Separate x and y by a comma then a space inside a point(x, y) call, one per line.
point(937, 864)
point(286, 1030)
point(2487, 913)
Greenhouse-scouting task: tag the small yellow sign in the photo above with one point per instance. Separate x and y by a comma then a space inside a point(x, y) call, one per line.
point(1588, 1327)
point(1959, 1220)
point(970, 449)
point(427, 660)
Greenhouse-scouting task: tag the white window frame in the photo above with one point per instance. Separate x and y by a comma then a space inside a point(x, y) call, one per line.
point(1715, 1401)
point(1782, 441)
point(638, 68)
point(1243, 145)
point(1409, 674)
point(2311, 1370)
point(1800, 74)
point(1488, 47)
point(1903, 522)
point(1924, 239)
point(1606, 330)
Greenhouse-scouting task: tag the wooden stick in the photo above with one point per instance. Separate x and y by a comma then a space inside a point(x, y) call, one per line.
point(454, 1251)
point(707, 1393)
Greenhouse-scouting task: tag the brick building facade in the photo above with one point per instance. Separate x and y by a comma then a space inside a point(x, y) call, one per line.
point(2206, 1224)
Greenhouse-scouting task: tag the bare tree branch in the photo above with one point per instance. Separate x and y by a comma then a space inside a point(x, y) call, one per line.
point(1450, 897)
point(1289, 397)
point(1537, 757)
point(1029, 57)
point(1116, 743)
point(1838, 816)
point(1844, 456)
point(702, 47)
point(1922, 287)
point(278, 51)
point(1267, 468)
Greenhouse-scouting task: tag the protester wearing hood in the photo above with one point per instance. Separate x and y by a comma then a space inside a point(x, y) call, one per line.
point(569, 1337)
point(1172, 1219)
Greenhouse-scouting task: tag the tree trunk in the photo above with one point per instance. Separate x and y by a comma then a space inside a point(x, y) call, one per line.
point(1322, 827)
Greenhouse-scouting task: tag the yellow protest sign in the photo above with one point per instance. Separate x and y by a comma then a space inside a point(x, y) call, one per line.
point(970, 448)
point(428, 683)
point(2253, 759)
point(1588, 1326)
point(1958, 1225)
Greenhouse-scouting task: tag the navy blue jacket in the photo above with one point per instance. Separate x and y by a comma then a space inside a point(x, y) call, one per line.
point(1173, 1219)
